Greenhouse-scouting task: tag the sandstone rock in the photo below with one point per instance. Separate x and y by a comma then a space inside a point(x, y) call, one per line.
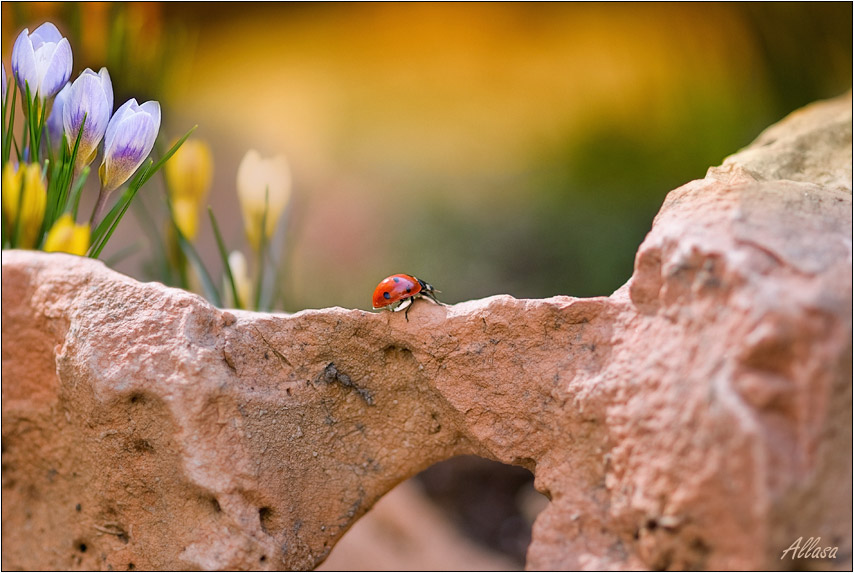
point(699, 417)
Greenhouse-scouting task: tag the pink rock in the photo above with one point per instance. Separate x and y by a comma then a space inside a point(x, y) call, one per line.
point(699, 417)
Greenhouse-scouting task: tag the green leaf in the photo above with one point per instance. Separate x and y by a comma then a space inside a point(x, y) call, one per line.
point(108, 226)
point(60, 193)
point(148, 225)
point(9, 132)
point(76, 191)
point(106, 223)
point(28, 126)
point(223, 253)
point(211, 292)
point(40, 129)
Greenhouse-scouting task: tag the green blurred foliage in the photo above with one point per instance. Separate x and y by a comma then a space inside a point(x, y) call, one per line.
point(574, 220)
point(132, 39)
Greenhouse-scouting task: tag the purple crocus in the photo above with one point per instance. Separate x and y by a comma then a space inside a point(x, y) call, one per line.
point(54, 118)
point(41, 60)
point(128, 141)
point(90, 96)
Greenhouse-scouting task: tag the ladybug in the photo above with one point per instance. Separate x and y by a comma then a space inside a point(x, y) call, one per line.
point(402, 289)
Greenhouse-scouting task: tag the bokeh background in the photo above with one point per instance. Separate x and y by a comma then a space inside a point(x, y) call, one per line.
point(487, 148)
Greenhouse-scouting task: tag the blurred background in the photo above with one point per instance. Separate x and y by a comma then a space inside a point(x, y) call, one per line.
point(486, 148)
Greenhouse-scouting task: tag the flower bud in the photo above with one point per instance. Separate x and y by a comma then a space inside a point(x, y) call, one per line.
point(189, 171)
point(41, 60)
point(188, 178)
point(258, 178)
point(67, 237)
point(29, 214)
point(128, 140)
point(242, 282)
point(186, 214)
point(90, 96)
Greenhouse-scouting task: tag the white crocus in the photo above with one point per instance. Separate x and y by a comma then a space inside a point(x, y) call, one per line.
point(261, 181)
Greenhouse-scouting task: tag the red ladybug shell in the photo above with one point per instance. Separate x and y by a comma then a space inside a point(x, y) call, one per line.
point(395, 288)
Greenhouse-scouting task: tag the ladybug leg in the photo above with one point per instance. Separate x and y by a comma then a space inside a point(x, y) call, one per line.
point(430, 294)
point(428, 291)
point(404, 305)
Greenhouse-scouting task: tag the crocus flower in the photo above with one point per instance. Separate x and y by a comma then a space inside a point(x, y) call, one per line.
point(257, 178)
point(41, 60)
point(188, 177)
point(91, 96)
point(128, 140)
point(54, 118)
point(186, 214)
point(242, 282)
point(29, 213)
point(67, 237)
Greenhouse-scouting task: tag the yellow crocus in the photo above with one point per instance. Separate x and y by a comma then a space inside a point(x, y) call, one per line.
point(186, 215)
point(30, 212)
point(67, 237)
point(188, 176)
point(257, 178)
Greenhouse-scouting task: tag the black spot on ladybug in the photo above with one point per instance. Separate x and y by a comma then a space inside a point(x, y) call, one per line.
point(386, 295)
point(409, 290)
point(397, 280)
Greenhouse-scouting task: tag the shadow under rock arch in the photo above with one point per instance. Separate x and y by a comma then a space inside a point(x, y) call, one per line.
point(484, 508)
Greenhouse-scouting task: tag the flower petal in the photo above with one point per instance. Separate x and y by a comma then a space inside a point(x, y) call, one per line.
point(55, 128)
point(262, 182)
point(129, 139)
point(152, 108)
point(47, 32)
point(58, 69)
point(107, 84)
point(24, 61)
point(126, 108)
point(86, 99)
point(41, 60)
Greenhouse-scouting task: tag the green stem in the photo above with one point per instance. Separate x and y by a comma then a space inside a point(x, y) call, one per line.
point(223, 253)
point(99, 207)
point(259, 286)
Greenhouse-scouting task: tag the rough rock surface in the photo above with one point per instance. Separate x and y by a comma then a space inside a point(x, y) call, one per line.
point(699, 417)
